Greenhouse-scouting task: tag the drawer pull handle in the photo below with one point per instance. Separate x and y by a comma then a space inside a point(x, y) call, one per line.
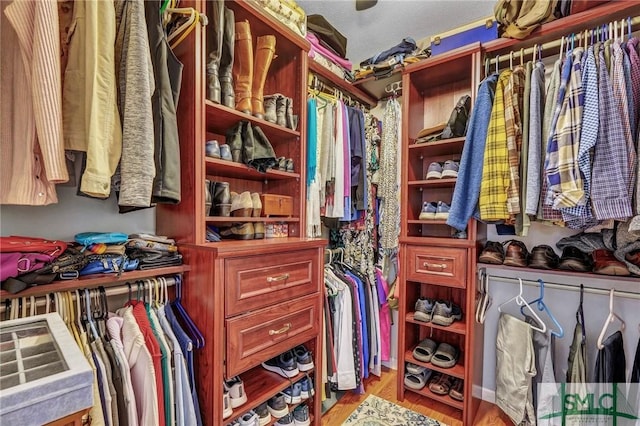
point(435, 265)
point(278, 278)
point(284, 329)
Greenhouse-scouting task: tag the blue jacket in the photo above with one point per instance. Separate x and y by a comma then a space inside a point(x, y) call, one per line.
point(467, 190)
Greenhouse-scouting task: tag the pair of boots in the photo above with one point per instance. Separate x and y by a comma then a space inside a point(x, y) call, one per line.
point(217, 199)
point(249, 73)
point(220, 43)
point(250, 146)
point(279, 110)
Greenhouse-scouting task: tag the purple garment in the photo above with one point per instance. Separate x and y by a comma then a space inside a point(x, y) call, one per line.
point(315, 45)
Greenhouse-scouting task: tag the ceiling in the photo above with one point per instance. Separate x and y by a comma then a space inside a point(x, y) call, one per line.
point(388, 22)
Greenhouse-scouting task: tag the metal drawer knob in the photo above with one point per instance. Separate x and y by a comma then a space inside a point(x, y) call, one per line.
point(278, 278)
point(435, 265)
point(284, 329)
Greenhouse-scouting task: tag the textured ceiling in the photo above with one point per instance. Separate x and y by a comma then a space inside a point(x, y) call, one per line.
point(388, 22)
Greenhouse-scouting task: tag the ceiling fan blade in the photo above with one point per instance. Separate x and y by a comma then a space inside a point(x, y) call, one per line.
point(365, 4)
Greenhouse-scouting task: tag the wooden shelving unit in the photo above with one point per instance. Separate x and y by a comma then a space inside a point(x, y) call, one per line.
point(341, 84)
point(455, 371)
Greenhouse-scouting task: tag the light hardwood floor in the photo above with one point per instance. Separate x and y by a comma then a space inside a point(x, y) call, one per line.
point(385, 387)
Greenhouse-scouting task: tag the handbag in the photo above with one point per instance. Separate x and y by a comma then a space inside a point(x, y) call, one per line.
point(14, 264)
point(108, 264)
point(87, 239)
point(18, 244)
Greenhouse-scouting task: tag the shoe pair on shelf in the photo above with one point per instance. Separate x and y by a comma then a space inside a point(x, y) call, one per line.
point(443, 384)
point(260, 416)
point(441, 171)
point(215, 150)
point(441, 355)
point(416, 376)
point(434, 211)
point(290, 363)
point(278, 109)
point(515, 254)
point(217, 198)
point(298, 417)
point(285, 164)
point(439, 312)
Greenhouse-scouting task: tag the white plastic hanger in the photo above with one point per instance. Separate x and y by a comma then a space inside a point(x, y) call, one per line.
point(523, 303)
point(612, 316)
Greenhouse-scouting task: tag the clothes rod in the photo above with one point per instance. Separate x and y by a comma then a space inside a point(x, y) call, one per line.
point(567, 287)
point(553, 44)
point(119, 290)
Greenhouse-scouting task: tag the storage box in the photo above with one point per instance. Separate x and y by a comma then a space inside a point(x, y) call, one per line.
point(483, 30)
point(276, 205)
point(45, 377)
point(276, 230)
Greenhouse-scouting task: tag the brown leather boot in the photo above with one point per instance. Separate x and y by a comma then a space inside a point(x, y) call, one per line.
point(226, 60)
point(243, 67)
point(214, 47)
point(265, 48)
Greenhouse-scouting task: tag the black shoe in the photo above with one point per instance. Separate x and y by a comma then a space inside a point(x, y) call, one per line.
point(575, 260)
point(543, 257)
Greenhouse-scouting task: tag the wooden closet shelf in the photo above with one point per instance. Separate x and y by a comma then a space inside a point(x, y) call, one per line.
point(433, 183)
point(375, 86)
point(341, 84)
point(221, 118)
point(457, 327)
point(226, 168)
point(220, 219)
point(427, 221)
point(93, 281)
point(445, 399)
point(456, 371)
point(437, 241)
point(590, 276)
point(442, 147)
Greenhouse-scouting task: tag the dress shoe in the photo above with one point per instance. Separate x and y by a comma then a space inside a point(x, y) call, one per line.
point(242, 205)
point(633, 257)
point(543, 257)
point(270, 107)
point(225, 152)
point(212, 149)
point(256, 204)
point(516, 254)
point(605, 263)
point(265, 49)
point(258, 228)
point(221, 198)
point(241, 231)
point(492, 253)
point(574, 259)
point(208, 198)
point(225, 74)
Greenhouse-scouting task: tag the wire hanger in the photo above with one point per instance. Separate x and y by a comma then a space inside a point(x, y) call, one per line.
point(610, 318)
point(521, 302)
point(544, 308)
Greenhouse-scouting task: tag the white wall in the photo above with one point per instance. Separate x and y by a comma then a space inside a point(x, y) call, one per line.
point(563, 305)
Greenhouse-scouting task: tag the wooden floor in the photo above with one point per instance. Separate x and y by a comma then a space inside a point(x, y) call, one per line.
point(385, 387)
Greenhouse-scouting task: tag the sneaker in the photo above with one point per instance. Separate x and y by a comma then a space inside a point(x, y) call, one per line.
point(284, 364)
point(306, 388)
point(301, 415)
point(264, 416)
point(434, 171)
point(428, 211)
point(303, 358)
point(249, 419)
point(442, 211)
point(424, 308)
point(277, 406)
point(235, 386)
point(450, 169)
point(286, 421)
point(445, 313)
point(292, 394)
point(226, 404)
point(212, 149)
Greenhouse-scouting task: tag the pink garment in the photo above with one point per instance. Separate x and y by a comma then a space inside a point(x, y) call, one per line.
point(315, 45)
point(385, 320)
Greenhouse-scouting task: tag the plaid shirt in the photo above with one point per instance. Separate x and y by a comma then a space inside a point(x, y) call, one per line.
point(620, 95)
point(561, 166)
point(634, 59)
point(495, 171)
point(513, 94)
point(609, 194)
point(580, 216)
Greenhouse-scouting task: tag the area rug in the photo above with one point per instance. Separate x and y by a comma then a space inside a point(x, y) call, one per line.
point(375, 411)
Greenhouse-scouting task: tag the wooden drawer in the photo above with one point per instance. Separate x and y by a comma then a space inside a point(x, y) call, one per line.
point(254, 282)
point(437, 265)
point(257, 336)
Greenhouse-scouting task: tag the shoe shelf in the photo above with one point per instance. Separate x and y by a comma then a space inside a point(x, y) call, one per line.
point(457, 327)
point(455, 371)
point(238, 219)
point(219, 167)
point(436, 148)
point(595, 280)
point(259, 386)
point(433, 183)
point(445, 399)
point(220, 118)
point(427, 221)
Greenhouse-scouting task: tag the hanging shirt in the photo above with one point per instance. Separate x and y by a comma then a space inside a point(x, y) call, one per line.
point(114, 326)
point(534, 156)
point(167, 376)
point(513, 122)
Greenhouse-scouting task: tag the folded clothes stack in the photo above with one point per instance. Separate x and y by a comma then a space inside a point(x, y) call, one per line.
point(328, 46)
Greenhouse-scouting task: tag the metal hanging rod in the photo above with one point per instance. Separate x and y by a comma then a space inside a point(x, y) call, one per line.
point(626, 25)
point(566, 287)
